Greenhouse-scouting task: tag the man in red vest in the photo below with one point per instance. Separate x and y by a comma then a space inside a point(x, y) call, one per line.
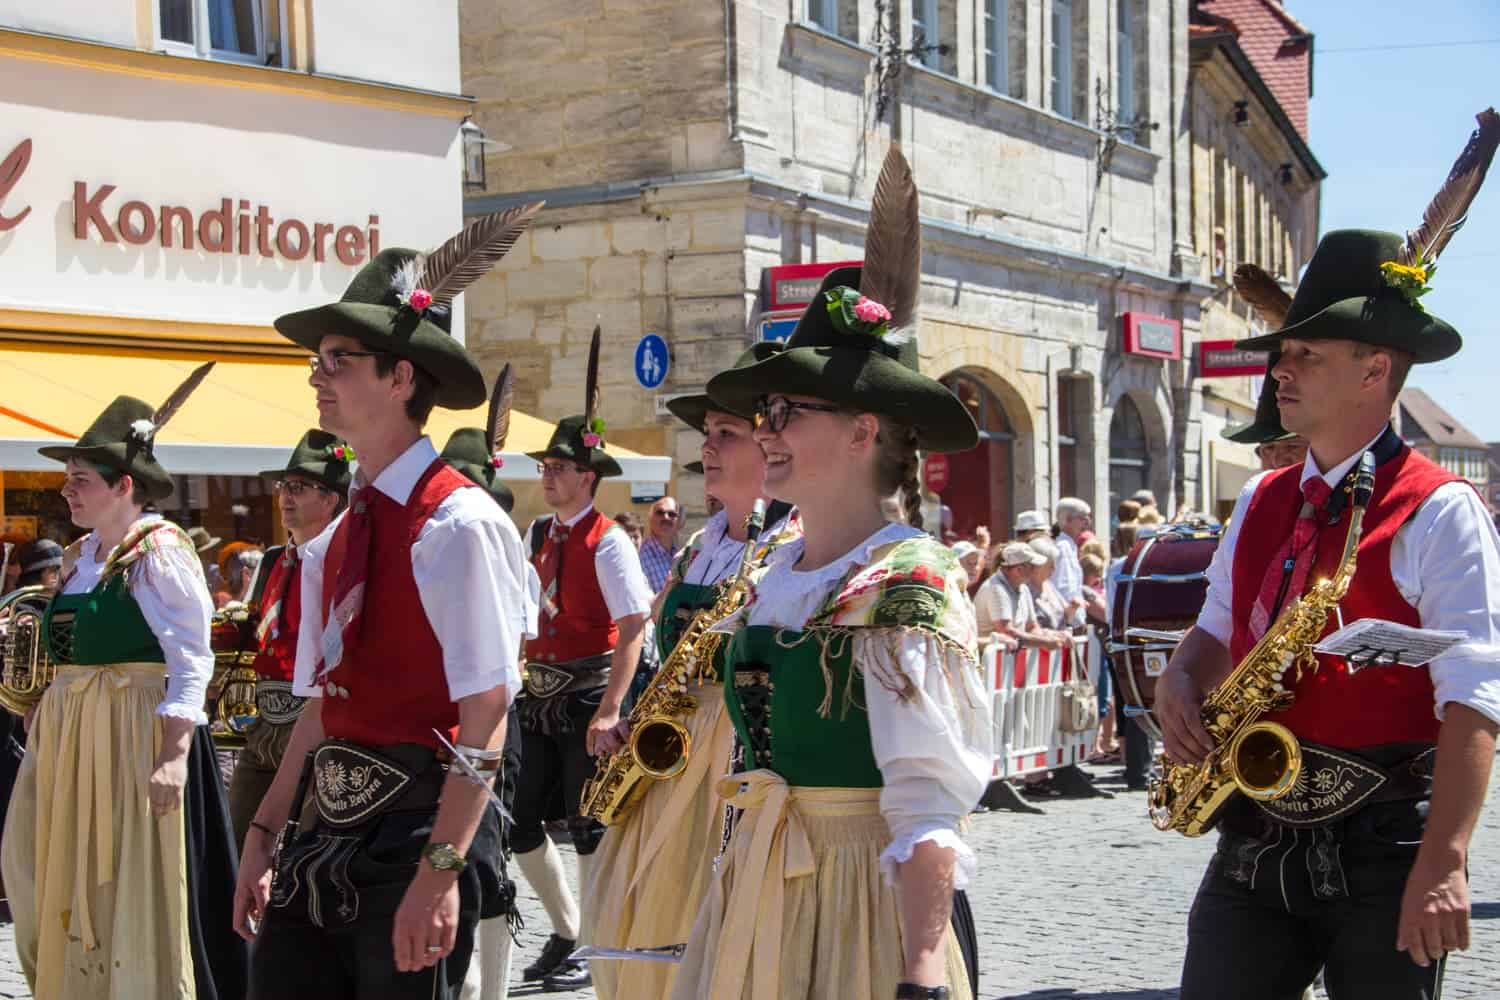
point(594, 604)
point(309, 492)
point(1361, 868)
point(411, 615)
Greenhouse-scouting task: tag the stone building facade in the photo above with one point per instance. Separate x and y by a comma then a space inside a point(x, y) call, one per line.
point(686, 148)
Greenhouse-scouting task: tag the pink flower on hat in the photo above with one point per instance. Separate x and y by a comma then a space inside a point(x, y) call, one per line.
point(496, 462)
point(419, 299)
point(591, 439)
point(867, 310)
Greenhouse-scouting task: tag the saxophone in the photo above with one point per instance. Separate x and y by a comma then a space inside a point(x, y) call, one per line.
point(1261, 759)
point(659, 742)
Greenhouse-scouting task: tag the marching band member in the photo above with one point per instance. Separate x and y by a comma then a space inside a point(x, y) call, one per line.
point(407, 612)
point(117, 850)
point(595, 600)
point(475, 452)
point(653, 867)
point(851, 675)
point(309, 492)
point(1361, 868)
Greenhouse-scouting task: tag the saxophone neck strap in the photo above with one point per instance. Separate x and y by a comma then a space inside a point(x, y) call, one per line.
point(1385, 448)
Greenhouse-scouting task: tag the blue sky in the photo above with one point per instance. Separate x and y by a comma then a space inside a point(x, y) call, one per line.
point(1387, 124)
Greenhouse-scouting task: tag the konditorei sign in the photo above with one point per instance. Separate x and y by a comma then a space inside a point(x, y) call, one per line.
point(1152, 336)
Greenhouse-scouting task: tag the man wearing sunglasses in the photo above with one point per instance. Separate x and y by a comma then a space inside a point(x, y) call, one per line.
point(595, 600)
point(309, 492)
point(661, 545)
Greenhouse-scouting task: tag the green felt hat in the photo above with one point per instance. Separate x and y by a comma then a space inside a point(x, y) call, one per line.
point(693, 410)
point(568, 442)
point(117, 439)
point(321, 457)
point(400, 303)
point(468, 452)
point(1345, 295)
point(1267, 423)
point(831, 359)
point(372, 313)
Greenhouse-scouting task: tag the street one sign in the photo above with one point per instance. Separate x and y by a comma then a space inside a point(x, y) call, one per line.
point(652, 361)
point(935, 473)
point(1220, 359)
point(792, 286)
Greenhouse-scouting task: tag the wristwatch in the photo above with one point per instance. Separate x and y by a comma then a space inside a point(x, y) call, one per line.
point(443, 858)
point(911, 991)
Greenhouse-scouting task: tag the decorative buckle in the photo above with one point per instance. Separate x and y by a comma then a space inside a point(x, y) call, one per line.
point(354, 784)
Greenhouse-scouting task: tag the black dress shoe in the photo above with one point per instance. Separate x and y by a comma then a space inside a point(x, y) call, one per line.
point(554, 956)
point(572, 976)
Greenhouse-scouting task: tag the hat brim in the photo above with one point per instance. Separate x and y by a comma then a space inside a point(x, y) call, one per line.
point(602, 464)
point(145, 471)
point(460, 384)
point(694, 410)
point(864, 381)
point(1384, 320)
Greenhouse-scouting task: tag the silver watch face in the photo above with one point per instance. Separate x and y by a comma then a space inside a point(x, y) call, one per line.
point(444, 858)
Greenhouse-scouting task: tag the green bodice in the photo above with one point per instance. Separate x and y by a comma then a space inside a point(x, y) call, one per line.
point(678, 608)
point(107, 627)
point(776, 692)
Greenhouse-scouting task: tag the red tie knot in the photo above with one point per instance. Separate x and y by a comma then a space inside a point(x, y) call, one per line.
point(1316, 492)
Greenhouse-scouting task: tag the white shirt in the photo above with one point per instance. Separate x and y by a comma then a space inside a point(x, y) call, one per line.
point(1445, 563)
point(933, 750)
point(718, 557)
point(997, 604)
point(1067, 577)
point(617, 567)
point(470, 571)
point(167, 584)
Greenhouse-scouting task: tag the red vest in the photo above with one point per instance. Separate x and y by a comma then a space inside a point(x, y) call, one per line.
point(1377, 704)
point(582, 626)
point(278, 654)
point(393, 668)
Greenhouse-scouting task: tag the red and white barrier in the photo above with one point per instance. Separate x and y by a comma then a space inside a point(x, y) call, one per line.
point(1027, 701)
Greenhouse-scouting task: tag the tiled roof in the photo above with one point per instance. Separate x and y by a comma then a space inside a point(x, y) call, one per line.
point(1268, 33)
point(1422, 419)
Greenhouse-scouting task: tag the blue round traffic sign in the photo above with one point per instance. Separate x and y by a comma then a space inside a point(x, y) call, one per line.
point(652, 361)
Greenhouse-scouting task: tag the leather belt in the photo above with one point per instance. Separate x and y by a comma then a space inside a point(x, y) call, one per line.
point(275, 703)
point(1335, 783)
point(354, 784)
point(548, 680)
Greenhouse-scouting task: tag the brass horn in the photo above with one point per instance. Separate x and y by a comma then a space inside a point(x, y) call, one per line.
point(232, 690)
point(25, 666)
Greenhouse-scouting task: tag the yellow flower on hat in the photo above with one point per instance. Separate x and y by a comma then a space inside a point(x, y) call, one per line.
point(1411, 280)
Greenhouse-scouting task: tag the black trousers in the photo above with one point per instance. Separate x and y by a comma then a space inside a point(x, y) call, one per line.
point(1278, 903)
point(555, 766)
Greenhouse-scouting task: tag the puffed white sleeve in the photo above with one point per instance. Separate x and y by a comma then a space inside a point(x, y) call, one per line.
point(310, 626)
point(167, 584)
point(470, 571)
point(1446, 562)
point(1216, 618)
point(931, 733)
point(618, 565)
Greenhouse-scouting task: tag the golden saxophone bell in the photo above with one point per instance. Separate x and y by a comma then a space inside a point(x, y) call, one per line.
point(1265, 761)
point(660, 746)
point(26, 669)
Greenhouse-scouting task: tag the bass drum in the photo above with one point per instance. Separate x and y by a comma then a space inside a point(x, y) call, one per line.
point(1158, 595)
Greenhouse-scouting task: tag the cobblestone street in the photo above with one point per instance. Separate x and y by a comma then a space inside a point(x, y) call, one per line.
point(1087, 902)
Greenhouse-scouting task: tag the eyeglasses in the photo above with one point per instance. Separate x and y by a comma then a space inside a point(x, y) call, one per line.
point(332, 363)
point(773, 414)
point(543, 469)
point(666, 515)
point(296, 487)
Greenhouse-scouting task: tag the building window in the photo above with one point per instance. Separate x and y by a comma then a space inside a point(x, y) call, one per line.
point(217, 29)
point(825, 14)
point(980, 480)
point(1132, 64)
point(1070, 51)
point(1241, 219)
point(924, 31)
point(1004, 47)
point(1129, 452)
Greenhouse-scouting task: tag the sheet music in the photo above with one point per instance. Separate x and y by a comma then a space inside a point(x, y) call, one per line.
point(1374, 642)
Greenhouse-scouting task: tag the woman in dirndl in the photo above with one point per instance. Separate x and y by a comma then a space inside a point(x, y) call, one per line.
point(851, 675)
point(654, 866)
point(117, 851)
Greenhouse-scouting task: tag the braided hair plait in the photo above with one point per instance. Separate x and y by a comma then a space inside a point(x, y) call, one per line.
point(899, 466)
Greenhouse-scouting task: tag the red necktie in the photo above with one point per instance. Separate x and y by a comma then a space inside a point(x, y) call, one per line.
point(282, 575)
point(342, 624)
point(1295, 558)
point(550, 570)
